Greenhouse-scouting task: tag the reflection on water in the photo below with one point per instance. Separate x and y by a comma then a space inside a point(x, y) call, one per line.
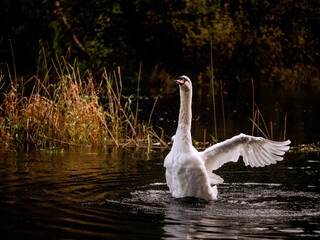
point(121, 194)
point(300, 105)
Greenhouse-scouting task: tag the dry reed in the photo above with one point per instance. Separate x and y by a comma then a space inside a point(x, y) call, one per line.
point(71, 112)
point(257, 115)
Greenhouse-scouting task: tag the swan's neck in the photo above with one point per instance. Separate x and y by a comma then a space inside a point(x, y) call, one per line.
point(185, 115)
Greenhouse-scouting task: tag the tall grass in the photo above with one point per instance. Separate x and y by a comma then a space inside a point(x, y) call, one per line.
point(258, 121)
point(213, 94)
point(215, 137)
point(71, 110)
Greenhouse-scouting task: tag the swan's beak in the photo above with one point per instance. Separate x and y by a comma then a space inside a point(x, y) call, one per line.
point(180, 81)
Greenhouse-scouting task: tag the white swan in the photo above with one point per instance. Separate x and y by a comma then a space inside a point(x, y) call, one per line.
point(189, 172)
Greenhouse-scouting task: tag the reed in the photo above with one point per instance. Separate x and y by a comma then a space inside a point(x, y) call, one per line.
point(138, 95)
point(223, 114)
point(213, 94)
point(257, 115)
point(253, 107)
point(71, 111)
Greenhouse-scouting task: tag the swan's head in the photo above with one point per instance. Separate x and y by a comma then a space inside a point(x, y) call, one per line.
point(184, 83)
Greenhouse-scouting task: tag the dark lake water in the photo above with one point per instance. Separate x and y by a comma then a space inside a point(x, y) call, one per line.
point(300, 105)
point(121, 194)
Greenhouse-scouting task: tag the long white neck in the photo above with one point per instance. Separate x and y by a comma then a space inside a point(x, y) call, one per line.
point(185, 115)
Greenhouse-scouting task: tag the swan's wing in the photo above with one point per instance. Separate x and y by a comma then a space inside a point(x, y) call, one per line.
point(256, 152)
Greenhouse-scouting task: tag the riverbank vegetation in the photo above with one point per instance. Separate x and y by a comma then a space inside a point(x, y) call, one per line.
point(71, 110)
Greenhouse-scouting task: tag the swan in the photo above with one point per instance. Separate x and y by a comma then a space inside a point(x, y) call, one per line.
point(189, 173)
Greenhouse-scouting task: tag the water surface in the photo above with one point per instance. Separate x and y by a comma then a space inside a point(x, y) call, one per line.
point(121, 194)
point(300, 105)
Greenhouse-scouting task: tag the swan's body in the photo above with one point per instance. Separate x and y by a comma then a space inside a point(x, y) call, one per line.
point(189, 172)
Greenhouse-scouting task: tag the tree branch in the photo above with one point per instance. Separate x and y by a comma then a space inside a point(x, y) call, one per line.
point(69, 27)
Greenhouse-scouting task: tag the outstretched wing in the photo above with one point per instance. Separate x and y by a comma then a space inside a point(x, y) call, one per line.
point(256, 151)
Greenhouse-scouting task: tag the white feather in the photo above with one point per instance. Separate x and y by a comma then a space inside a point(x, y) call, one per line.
point(189, 172)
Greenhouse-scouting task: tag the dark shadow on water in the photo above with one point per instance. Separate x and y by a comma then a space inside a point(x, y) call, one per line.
point(192, 201)
point(300, 105)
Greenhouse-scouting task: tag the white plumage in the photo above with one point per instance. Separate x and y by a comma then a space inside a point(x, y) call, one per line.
point(189, 172)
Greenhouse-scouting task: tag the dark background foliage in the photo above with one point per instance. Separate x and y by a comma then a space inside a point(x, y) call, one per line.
point(273, 42)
